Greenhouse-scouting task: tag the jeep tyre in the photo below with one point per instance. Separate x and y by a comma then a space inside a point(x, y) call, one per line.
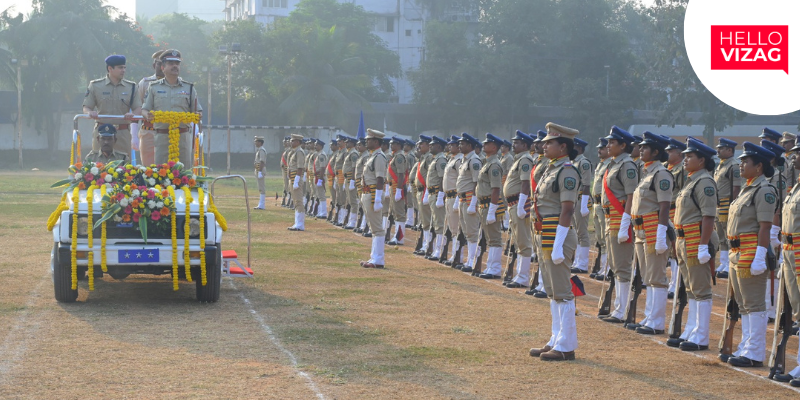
point(62, 279)
point(210, 292)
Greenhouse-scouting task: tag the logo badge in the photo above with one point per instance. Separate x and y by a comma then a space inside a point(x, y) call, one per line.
point(750, 47)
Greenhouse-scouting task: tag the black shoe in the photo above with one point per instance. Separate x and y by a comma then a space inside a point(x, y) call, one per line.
point(613, 320)
point(457, 266)
point(607, 278)
point(368, 234)
point(540, 294)
point(671, 295)
point(392, 243)
point(795, 328)
point(795, 382)
point(578, 271)
point(291, 228)
point(632, 326)
point(725, 357)
point(780, 377)
point(646, 330)
point(447, 263)
point(515, 285)
point(743, 361)
point(689, 346)
point(466, 269)
point(675, 342)
point(593, 275)
point(488, 276)
point(530, 292)
point(600, 277)
point(418, 253)
point(722, 275)
point(357, 230)
point(349, 228)
point(432, 258)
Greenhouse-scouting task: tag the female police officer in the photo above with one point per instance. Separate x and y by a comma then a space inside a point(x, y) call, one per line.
point(554, 204)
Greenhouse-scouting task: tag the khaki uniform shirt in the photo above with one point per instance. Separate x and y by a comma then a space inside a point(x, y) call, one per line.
point(320, 164)
point(350, 160)
point(727, 175)
point(623, 178)
point(756, 203)
point(491, 176)
point(548, 197)
point(296, 159)
point(791, 173)
point(519, 174)
point(507, 160)
point(285, 159)
point(781, 184)
point(790, 217)
point(597, 182)
point(655, 187)
point(468, 173)
point(702, 188)
point(639, 163)
point(451, 172)
point(144, 84)
point(436, 170)
point(375, 167)
point(680, 176)
point(540, 166)
point(161, 96)
point(110, 99)
point(340, 157)
point(399, 165)
point(99, 156)
point(261, 157)
point(585, 170)
point(423, 163)
point(362, 159)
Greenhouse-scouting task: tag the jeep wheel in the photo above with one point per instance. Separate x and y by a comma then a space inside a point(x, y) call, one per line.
point(62, 279)
point(118, 275)
point(210, 292)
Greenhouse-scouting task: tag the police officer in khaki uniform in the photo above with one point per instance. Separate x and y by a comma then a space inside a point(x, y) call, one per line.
point(145, 133)
point(396, 177)
point(341, 181)
point(675, 166)
point(260, 169)
point(492, 207)
point(650, 209)
point(308, 178)
point(696, 210)
point(554, 201)
point(581, 218)
point(172, 94)
point(363, 155)
point(598, 216)
point(451, 192)
point(106, 136)
point(506, 160)
point(320, 162)
point(787, 142)
point(517, 191)
point(467, 200)
point(113, 95)
point(751, 218)
point(728, 185)
point(636, 153)
point(372, 187)
point(782, 168)
point(619, 183)
point(330, 173)
point(436, 194)
point(296, 171)
point(539, 167)
point(411, 190)
point(423, 199)
point(349, 171)
point(285, 170)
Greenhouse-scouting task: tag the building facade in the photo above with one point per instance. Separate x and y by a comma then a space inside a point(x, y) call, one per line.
point(207, 10)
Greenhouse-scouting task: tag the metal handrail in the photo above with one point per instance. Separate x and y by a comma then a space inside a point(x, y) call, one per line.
point(102, 116)
point(246, 203)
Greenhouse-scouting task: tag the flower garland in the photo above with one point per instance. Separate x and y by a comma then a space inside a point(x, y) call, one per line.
point(72, 149)
point(201, 211)
point(90, 238)
point(62, 206)
point(174, 120)
point(186, 229)
point(74, 245)
point(174, 230)
point(220, 219)
point(103, 260)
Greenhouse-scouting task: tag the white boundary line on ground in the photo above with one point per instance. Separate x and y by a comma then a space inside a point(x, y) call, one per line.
point(11, 352)
point(277, 343)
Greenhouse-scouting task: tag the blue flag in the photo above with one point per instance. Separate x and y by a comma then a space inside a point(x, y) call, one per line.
point(362, 133)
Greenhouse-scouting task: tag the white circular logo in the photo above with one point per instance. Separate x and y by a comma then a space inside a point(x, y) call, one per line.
point(742, 51)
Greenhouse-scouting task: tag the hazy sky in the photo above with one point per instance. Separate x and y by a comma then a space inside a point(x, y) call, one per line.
point(24, 6)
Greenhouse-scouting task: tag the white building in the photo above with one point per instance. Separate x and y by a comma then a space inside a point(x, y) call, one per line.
point(207, 10)
point(400, 23)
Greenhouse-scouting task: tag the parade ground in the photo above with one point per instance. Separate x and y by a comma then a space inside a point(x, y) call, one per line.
point(313, 324)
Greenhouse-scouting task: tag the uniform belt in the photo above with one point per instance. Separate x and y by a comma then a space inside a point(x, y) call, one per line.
point(420, 188)
point(484, 200)
point(181, 130)
point(788, 238)
point(433, 190)
point(512, 199)
point(465, 194)
point(450, 194)
point(735, 243)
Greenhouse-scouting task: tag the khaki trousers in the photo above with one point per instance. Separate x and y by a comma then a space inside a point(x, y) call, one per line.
point(494, 235)
point(297, 197)
point(749, 292)
point(424, 211)
point(620, 257)
point(652, 266)
point(398, 208)
point(581, 225)
point(451, 216)
point(352, 200)
point(697, 278)
point(374, 219)
point(437, 216)
point(556, 277)
point(723, 239)
point(521, 231)
point(599, 226)
point(792, 281)
point(321, 192)
point(262, 187)
point(147, 146)
point(184, 145)
point(470, 223)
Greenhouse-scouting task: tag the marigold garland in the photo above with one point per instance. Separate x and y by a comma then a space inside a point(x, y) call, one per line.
point(220, 219)
point(202, 238)
point(174, 119)
point(90, 238)
point(62, 206)
point(75, 148)
point(74, 245)
point(103, 266)
point(174, 230)
point(186, 260)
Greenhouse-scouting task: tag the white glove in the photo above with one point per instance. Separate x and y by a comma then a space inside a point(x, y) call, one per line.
point(457, 204)
point(773, 236)
point(523, 198)
point(305, 176)
point(702, 253)
point(260, 175)
point(352, 185)
point(759, 265)
point(585, 205)
point(490, 217)
point(385, 191)
point(398, 194)
point(661, 239)
point(624, 224)
point(558, 245)
point(378, 203)
point(408, 188)
point(440, 200)
point(472, 205)
point(296, 184)
point(319, 182)
point(425, 199)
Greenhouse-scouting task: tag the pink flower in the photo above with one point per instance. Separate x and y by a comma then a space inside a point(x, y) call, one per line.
point(89, 177)
point(171, 164)
point(128, 210)
point(155, 216)
point(150, 194)
point(175, 172)
point(185, 180)
point(135, 217)
point(120, 196)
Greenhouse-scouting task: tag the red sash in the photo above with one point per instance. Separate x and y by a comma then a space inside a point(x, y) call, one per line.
point(616, 204)
point(419, 176)
point(283, 161)
point(395, 183)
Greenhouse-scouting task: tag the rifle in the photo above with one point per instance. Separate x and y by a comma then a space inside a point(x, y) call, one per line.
point(509, 274)
point(783, 328)
point(330, 211)
point(418, 247)
point(316, 208)
point(678, 304)
point(535, 280)
point(729, 322)
point(360, 218)
point(389, 228)
point(605, 295)
point(346, 217)
point(596, 267)
point(336, 215)
point(457, 256)
point(636, 288)
point(449, 239)
point(431, 242)
point(478, 266)
point(416, 219)
point(283, 201)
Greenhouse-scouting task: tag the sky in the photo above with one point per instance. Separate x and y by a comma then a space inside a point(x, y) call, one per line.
point(24, 6)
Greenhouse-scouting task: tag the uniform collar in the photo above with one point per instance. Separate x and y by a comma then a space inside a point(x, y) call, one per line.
point(653, 165)
point(492, 158)
point(107, 81)
point(622, 157)
point(757, 180)
point(697, 175)
point(579, 158)
point(559, 161)
point(470, 154)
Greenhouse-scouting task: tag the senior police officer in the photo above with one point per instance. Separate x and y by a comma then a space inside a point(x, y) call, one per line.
point(113, 95)
point(581, 217)
point(451, 192)
point(296, 171)
point(598, 216)
point(397, 176)
point(372, 187)
point(172, 93)
point(696, 210)
point(436, 170)
point(260, 167)
point(539, 168)
point(729, 182)
point(491, 204)
point(146, 136)
point(467, 200)
point(106, 137)
point(517, 191)
point(423, 198)
point(554, 200)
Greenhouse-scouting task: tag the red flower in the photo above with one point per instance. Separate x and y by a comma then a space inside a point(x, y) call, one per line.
point(135, 217)
point(171, 164)
point(89, 177)
point(155, 216)
point(128, 209)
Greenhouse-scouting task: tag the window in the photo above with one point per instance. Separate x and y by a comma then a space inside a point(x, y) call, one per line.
point(408, 32)
point(389, 24)
point(275, 3)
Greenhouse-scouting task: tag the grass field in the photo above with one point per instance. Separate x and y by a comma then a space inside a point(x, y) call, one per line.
point(314, 324)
